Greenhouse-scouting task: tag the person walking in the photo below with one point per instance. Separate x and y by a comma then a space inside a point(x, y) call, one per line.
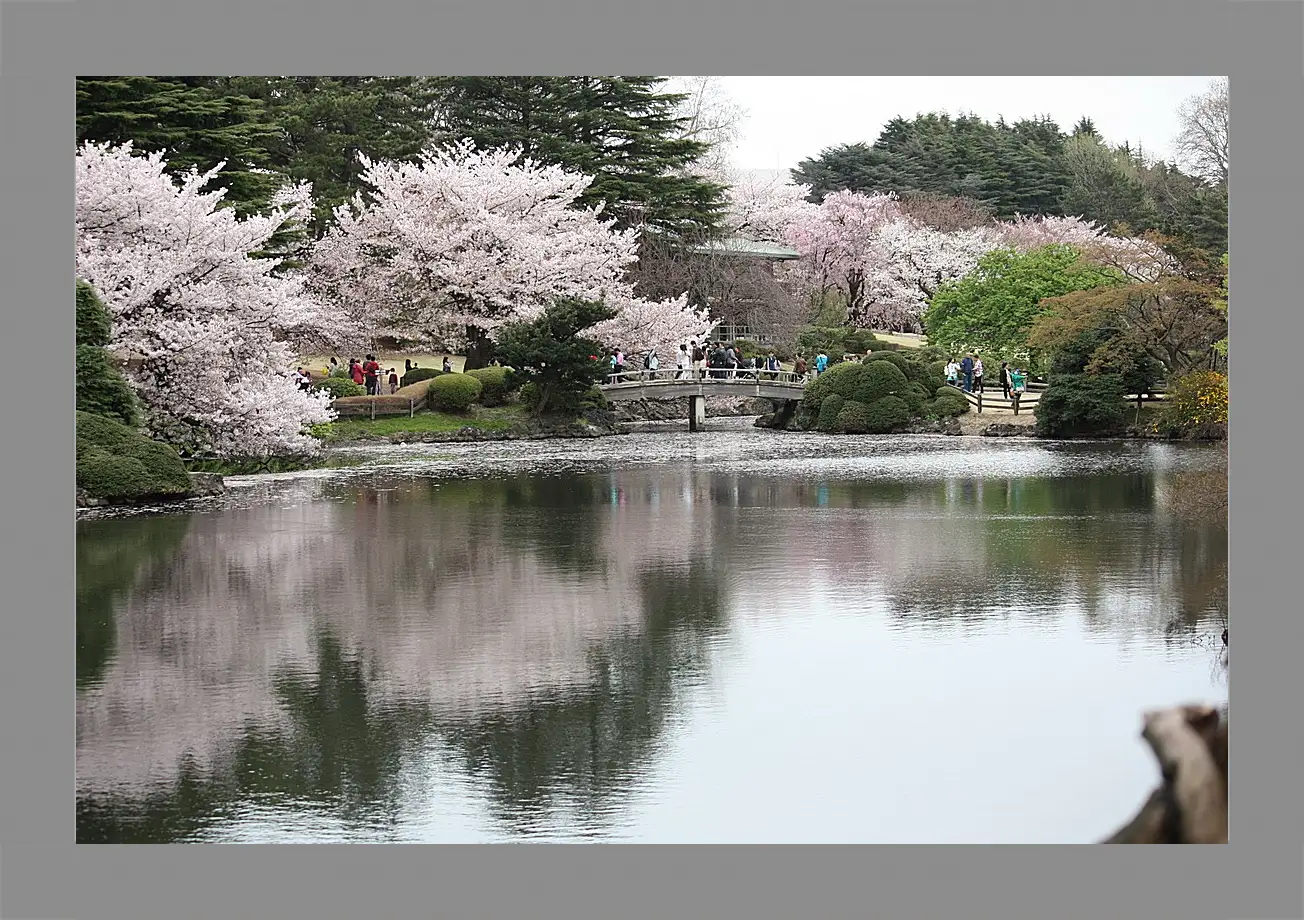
point(821, 363)
point(952, 371)
point(731, 360)
point(799, 368)
point(681, 363)
point(393, 381)
point(977, 374)
point(371, 371)
point(699, 360)
point(355, 372)
point(1005, 379)
point(620, 361)
point(772, 365)
point(407, 365)
point(653, 364)
point(966, 373)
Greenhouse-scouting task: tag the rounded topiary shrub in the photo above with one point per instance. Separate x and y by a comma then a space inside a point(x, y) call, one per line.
point(949, 403)
point(879, 379)
point(117, 462)
point(1081, 405)
point(495, 384)
point(843, 379)
point(887, 414)
point(852, 419)
point(339, 372)
point(417, 374)
point(339, 387)
point(828, 413)
point(454, 392)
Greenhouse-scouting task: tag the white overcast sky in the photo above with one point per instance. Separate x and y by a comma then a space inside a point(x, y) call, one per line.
point(792, 118)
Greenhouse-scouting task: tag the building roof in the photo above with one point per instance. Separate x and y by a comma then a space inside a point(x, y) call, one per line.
point(743, 247)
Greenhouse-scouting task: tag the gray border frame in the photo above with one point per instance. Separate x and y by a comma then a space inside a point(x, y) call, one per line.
point(44, 45)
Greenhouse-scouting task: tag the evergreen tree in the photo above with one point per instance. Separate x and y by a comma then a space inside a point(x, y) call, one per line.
point(621, 130)
point(101, 388)
point(199, 121)
point(323, 123)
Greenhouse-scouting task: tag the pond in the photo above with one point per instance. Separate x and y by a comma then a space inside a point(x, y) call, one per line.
point(731, 636)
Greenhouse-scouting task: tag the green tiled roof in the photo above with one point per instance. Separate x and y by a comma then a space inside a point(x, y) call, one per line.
point(744, 247)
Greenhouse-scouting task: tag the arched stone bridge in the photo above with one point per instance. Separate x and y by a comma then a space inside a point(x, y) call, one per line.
point(783, 386)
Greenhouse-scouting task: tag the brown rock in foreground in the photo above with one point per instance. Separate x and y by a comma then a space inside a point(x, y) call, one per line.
point(1190, 805)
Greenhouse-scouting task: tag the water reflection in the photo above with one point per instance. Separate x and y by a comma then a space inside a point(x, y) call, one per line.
point(405, 656)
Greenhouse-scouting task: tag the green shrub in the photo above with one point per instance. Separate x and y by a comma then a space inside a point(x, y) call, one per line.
point(94, 324)
point(1081, 405)
point(948, 403)
point(886, 415)
point(876, 344)
point(339, 371)
point(917, 397)
point(418, 374)
point(841, 379)
point(594, 399)
point(101, 388)
point(496, 384)
point(853, 418)
point(340, 387)
point(879, 379)
point(828, 414)
point(916, 371)
point(116, 462)
point(454, 392)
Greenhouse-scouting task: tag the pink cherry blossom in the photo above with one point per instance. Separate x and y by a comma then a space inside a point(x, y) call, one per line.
point(204, 324)
point(464, 238)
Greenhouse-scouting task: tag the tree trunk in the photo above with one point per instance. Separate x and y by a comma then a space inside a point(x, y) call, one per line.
point(479, 349)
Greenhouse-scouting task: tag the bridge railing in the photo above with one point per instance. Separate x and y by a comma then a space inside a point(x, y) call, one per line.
point(707, 376)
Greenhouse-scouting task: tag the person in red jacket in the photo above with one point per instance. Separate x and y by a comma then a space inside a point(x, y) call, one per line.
point(355, 371)
point(371, 371)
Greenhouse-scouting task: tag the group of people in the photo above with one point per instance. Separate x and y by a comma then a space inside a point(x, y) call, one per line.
point(718, 360)
point(967, 374)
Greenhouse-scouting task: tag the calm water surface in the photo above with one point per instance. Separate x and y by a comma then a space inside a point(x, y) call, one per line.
point(735, 636)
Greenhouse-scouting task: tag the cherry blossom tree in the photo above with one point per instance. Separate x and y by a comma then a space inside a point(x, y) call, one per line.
point(762, 206)
point(1138, 258)
point(836, 242)
point(203, 323)
point(910, 261)
point(452, 247)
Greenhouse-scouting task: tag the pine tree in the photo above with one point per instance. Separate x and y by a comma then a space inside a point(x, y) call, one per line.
point(197, 120)
point(621, 130)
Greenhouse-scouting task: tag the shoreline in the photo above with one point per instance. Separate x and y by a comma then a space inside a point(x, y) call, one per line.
point(967, 426)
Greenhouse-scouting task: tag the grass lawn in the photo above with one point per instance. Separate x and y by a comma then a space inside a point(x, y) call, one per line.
point(357, 429)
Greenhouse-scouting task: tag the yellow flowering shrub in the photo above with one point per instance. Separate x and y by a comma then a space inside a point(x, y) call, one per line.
point(1196, 405)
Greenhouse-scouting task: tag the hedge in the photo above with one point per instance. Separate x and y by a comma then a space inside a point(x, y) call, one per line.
point(853, 418)
point(495, 384)
point(454, 392)
point(879, 379)
point(340, 387)
point(829, 410)
point(887, 414)
point(418, 374)
point(116, 462)
point(949, 403)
